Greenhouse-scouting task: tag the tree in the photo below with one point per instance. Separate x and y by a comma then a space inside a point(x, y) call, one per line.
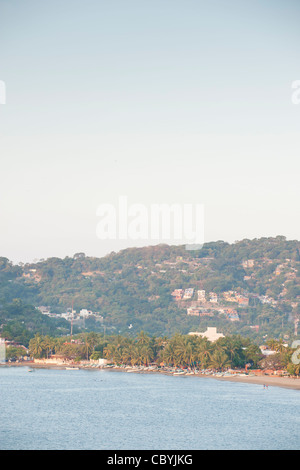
point(280, 347)
point(15, 352)
point(37, 346)
point(219, 360)
point(169, 355)
point(145, 353)
point(79, 255)
point(48, 345)
point(293, 369)
point(129, 353)
point(142, 338)
point(96, 355)
point(252, 354)
point(204, 352)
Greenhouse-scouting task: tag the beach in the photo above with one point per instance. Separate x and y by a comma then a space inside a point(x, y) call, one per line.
point(268, 380)
point(273, 381)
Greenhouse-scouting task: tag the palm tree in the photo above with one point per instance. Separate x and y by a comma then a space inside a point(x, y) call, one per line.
point(142, 338)
point(233, 348)
point(185, 350)
point(88, 345)
point(114, 350)
point(179, 351)
point(128, 353)
point(279, 347)
point(203, 352)
point(190, 354)
point(93, 339)
point(137, 357)
point(48, 345)
point(168, 355)
point(219, 360)
point(109, 351)
point(36, 346)
point(253, 354)
point(158, 345)
point(146, 354)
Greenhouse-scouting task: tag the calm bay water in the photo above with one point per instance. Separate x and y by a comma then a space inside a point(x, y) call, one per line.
point(82, 409)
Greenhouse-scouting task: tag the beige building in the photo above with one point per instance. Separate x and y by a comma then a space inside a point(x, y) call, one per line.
point(211, 334)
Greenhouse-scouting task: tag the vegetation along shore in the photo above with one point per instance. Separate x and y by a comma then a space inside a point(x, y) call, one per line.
point(233, 358)
point(83, 311)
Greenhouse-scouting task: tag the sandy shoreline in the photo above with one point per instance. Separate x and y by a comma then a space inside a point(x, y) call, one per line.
point(285, 382)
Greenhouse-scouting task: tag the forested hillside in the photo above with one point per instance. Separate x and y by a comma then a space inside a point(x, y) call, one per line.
point(250, 287)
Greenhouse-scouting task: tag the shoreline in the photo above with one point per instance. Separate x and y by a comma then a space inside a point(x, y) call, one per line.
point(269, 380)
point(284, 382)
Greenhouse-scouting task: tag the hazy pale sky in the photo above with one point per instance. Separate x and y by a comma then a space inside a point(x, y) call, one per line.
point(164, 101)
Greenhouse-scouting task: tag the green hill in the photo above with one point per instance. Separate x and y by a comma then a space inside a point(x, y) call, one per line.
point(251, 288)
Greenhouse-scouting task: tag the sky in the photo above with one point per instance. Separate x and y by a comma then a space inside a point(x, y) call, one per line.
point(161, 101)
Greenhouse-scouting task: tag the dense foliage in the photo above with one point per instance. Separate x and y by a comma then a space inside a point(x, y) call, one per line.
point(187, 351)
point(20, 322)
point(132, 289)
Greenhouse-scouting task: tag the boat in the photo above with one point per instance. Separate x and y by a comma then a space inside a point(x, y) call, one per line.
point(72, 368)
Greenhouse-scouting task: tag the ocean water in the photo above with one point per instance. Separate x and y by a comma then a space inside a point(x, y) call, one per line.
point(94, 409)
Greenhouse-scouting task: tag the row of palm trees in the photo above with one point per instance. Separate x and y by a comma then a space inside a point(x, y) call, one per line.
point(81, 347)
point(183, 351)
point(178, 351)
